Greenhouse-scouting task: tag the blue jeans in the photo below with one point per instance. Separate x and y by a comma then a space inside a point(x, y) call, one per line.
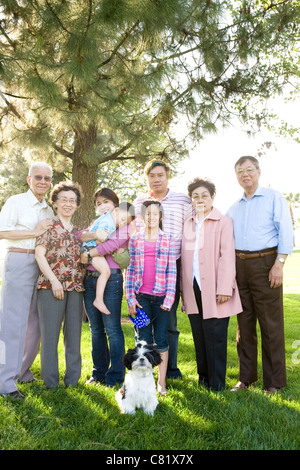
point(157, 330)
point(108, 364)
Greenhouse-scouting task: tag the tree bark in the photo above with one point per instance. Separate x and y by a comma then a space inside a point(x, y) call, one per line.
point(84, 172)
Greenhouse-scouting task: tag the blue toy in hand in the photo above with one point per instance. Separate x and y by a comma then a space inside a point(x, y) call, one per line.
point(140, 320)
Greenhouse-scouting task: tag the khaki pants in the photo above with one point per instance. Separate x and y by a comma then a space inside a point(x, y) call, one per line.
point(18, 303)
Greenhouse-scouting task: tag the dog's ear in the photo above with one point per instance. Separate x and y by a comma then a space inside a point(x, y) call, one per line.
point(128, 358)
point(153, 355)
point(157, 357)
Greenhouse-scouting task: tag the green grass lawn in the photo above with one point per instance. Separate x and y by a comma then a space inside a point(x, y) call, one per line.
point(189, 418)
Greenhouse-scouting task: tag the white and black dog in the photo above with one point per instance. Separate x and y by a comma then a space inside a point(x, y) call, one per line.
point(139, 390)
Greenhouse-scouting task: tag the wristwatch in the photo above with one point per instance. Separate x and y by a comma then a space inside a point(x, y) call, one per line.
point(281, 260)
point(90, 259)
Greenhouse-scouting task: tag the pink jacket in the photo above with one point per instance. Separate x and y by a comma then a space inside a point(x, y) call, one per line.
point(217, 266)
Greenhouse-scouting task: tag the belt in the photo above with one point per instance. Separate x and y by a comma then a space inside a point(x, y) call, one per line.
point(97, 274)
point(20, 250)
point(251, 255)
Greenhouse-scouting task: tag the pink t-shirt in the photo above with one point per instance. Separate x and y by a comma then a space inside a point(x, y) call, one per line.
point(149, 268)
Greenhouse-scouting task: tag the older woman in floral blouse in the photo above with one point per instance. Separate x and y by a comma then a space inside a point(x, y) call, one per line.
point(60, 288)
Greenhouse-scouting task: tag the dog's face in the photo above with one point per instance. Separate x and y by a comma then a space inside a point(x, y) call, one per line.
point(142, 358)
point(138, 390)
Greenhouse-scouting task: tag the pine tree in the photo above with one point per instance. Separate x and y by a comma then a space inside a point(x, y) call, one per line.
point(89, 82)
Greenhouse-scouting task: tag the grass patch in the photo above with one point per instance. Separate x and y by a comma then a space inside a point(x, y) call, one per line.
point(189, 418)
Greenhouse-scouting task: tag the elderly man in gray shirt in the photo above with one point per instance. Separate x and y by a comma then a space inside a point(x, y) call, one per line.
point(23, 217)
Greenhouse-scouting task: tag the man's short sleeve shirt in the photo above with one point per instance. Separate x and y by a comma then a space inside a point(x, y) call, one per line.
point(23, 212)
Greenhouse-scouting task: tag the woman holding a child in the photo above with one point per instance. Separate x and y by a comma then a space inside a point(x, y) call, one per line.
point(108, 344)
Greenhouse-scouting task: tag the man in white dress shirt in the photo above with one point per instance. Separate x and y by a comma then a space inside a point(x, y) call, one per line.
point(23, 217)
point(176, 207)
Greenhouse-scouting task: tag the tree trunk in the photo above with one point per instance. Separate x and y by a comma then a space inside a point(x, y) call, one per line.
point(84, 172)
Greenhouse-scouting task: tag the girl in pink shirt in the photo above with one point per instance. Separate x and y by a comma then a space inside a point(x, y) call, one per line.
point(151, 281)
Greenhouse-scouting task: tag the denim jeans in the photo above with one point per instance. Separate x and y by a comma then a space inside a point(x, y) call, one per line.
point(108, 344)
point(157, 330)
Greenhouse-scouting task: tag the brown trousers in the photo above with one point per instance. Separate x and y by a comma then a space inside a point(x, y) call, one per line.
point(265, 305)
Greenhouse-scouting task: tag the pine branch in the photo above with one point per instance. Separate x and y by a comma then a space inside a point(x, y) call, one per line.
point(10, 41)
point(181, 53)
point(57, 18)
point(12, 108)
point(115, 50)
point(120, 159)
point(115, 155)
point(62, 151)
point(16, 96)
point(89, 21)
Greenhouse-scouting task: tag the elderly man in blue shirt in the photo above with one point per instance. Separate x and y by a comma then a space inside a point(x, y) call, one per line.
point(264, 237)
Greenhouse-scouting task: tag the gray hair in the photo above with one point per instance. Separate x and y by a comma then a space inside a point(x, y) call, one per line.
point(39, 165)
point(241, 160)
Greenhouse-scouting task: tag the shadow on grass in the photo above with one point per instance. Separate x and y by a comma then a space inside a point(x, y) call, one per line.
point(188, 418)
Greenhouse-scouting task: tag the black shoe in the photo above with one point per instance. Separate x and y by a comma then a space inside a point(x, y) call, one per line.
point(16, 395)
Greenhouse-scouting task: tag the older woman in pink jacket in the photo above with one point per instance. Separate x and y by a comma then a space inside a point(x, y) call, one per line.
point(208, 286)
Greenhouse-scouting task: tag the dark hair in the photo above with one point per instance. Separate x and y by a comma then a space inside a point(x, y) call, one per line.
point(127, 207)
point(197, 182)
point(66, 186)
point(244, 159)
point(108, 194)
point(153, 163)
point(154, 202)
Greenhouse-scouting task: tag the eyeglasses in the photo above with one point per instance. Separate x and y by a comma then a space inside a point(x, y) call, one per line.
point(64, 200)
point(40, 178)
point(241, 171)
point(201, 196)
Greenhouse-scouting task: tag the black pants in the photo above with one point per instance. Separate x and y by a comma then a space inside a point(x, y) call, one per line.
point(210, 340)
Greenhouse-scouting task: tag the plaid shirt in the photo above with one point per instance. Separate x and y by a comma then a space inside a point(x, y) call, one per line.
point(165, 268)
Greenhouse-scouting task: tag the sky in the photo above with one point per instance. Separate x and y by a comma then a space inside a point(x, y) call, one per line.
point(215, 156)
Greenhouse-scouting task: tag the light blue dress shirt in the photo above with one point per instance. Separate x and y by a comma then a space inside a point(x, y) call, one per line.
point(262, 221)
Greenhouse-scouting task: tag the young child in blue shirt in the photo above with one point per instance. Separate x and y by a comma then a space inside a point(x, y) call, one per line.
point(114, 217)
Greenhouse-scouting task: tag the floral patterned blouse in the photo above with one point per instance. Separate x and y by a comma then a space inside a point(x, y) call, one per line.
point(63, 256)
